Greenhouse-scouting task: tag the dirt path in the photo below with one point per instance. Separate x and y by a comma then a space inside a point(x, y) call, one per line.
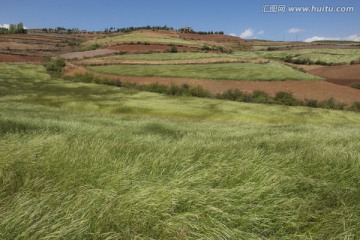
point(319, 90)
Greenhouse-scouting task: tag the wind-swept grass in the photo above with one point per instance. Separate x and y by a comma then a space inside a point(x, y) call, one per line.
point(83, 161)
point(171, 56)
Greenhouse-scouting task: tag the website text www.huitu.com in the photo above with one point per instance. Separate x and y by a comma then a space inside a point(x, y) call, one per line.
point(271, 8)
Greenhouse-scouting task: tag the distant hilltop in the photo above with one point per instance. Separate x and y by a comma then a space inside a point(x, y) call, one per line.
point(19, 28)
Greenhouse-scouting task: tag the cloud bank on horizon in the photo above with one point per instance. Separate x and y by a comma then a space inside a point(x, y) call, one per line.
point(5, 26)
point(355, 38)
point(250, 33)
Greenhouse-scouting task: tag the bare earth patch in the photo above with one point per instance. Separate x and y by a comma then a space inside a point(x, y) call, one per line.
point(142, 48)
point(318, 90)
point(17, 58)
point(342, 75)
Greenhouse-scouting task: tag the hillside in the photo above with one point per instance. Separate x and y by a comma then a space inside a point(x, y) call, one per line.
point(101, 137)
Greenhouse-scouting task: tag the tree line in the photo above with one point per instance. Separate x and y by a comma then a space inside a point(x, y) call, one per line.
point(13, 29)
point(157, 28)
point(201, 32)
point(131, 29)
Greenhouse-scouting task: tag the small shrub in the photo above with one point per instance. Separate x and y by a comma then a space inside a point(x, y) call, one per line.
point(304, 61)
point(233, 95)
point(54, 67)
point(198, 91)
point(311, 103)
point(260, 97)
point(332, 104)
point(176, 90)
point(355, 85)
point(158, 88)
point(354, 107)
point(286, 98)
point(46, 59)
point(117, 83)
point(301, 70)
point(173, 49)
point(357, 61)
point(205, 47)
point(93, 47)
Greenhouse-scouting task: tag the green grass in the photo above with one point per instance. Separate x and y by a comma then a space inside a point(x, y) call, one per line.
point(336, 56)
point(83, 161)
point(171, 56)
point(136, 37)
point(272, 71)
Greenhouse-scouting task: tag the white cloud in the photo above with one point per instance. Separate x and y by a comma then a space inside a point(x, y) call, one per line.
point(248, 33)
point(355, 38)
point(261, 32)
point(295, 30)
point(5, 26)
point(232, 34)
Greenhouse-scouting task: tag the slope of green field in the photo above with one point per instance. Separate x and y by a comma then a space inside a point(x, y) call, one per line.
point(337, 56)
point(272, 71)
point(171, 56)
point(83, 161)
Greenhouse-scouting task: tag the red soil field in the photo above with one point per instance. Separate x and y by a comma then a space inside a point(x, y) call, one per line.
point(318, 90)
point(342, 75)
point(16, 58)
point(137, 48)
point(210, 37)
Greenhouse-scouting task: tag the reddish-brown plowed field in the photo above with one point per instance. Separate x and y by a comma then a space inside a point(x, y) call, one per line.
point(16, 58)
point(209, 37)
point(146, 48)
point(38, 44)
point(342, 75)
point(319, 90)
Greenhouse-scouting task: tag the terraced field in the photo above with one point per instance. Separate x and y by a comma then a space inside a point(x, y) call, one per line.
point(326, 56)
point(32, 47)
point(272, 71)
point(142, 37)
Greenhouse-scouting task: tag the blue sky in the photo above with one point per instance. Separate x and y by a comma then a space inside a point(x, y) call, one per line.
point(244, 18)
